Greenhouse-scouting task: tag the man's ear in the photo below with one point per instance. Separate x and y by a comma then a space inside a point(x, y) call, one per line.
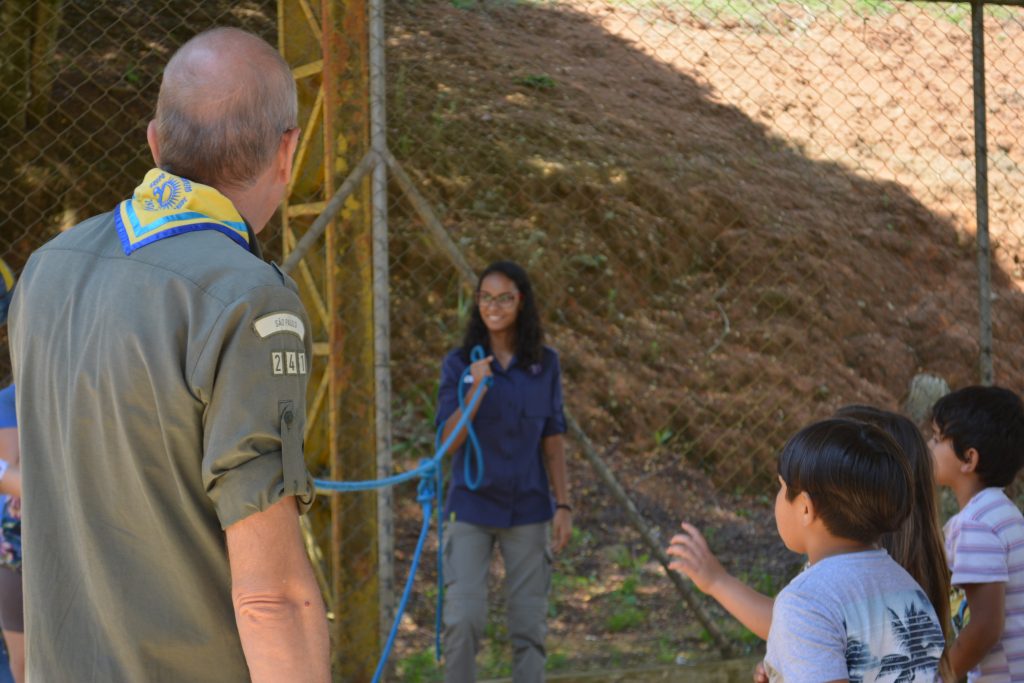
point(286, 154)
point(154, 143)
point(970, 462)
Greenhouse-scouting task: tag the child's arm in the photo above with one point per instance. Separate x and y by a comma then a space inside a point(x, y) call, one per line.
point(983, 630)
point(10, 483)
point(695, 559)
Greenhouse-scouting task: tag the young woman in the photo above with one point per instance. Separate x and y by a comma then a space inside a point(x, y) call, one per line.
point(522, 490)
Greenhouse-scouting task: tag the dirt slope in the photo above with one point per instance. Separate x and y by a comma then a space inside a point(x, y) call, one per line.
point(711, 279)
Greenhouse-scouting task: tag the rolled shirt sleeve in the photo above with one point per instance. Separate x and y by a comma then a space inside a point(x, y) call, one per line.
point(252, 374)
point(555, 423)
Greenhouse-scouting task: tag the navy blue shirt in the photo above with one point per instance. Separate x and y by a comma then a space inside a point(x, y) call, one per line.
point(523, 406)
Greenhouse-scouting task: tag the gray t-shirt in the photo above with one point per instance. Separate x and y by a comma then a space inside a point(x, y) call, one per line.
point(857, 617)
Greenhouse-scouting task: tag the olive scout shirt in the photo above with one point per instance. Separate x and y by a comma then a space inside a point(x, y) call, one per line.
point(162, 397)
point(523, 406)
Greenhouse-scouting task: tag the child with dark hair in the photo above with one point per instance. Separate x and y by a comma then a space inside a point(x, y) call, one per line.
point(854, 613)
point(977, 446)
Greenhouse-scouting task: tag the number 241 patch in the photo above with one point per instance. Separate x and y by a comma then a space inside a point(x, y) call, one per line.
point(288, 362)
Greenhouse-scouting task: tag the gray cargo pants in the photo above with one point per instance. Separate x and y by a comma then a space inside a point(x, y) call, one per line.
point(467, 560)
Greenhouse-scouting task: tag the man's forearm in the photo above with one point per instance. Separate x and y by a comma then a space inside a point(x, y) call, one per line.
point(284, 637)
point(278, 607)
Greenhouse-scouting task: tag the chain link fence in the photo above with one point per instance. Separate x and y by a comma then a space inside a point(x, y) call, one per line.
point(738, 215)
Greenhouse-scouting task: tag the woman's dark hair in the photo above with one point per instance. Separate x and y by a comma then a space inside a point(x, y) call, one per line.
point(854, 473)
point(529, 335)
point(917, 545)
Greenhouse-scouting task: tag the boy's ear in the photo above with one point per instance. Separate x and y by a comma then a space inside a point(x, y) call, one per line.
point(970, 462)
point(806, 510)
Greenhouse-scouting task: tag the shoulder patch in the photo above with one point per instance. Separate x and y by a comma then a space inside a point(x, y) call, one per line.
point(276, 323)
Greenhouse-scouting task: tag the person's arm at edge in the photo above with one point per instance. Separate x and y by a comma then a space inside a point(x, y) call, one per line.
point(985, 628)
point(10, 484)
point(695, 559)
point(278, 607)
point(553, 448)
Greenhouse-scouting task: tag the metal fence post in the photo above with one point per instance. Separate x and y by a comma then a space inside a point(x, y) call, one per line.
point(981, 193)
point(381, 318)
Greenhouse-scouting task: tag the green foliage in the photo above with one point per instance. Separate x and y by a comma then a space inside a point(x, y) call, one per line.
point(588, 262)
point(623, 603)
point(663, 436)
point(557, 660)
point(763, 581)
point(625, 618)
point(537, 81)
point(667, 651)
point(497, 661)
point(132, 76)
point(420, 667)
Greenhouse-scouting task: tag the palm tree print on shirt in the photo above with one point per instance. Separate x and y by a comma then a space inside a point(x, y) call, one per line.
point(920, 641)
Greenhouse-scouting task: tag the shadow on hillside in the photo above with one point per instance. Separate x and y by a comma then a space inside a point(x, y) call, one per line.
point(710, 286)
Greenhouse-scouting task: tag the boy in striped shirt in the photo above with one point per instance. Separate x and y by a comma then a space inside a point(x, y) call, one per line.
point(977, 447)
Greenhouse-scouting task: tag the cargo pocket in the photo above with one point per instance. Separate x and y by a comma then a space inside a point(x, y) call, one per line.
point(449, 566)
point(549, 563)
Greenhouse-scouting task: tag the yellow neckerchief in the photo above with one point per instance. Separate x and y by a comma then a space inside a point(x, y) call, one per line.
point(166, 204)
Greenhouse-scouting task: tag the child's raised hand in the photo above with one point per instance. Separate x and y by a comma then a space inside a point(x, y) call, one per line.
point(694, 558)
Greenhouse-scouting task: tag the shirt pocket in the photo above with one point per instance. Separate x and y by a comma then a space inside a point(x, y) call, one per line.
point(537, 403)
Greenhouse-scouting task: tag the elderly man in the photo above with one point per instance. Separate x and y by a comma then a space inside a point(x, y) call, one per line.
point(161, 370)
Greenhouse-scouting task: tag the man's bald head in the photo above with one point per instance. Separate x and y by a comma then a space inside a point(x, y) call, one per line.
point(225, 100)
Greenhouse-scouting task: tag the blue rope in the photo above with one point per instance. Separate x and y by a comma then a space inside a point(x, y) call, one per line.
point(430, 487)
point(473, 452)
point(425, 495)
point(426, 466)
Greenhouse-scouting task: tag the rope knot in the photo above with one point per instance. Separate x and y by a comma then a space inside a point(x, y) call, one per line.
point(427, 489)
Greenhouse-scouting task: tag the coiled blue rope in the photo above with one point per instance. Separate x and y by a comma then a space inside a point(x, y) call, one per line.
point(472, 450)
point(428, 493)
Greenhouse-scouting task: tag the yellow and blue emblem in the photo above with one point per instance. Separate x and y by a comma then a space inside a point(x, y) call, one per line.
point(6, 290)
point(166, 204)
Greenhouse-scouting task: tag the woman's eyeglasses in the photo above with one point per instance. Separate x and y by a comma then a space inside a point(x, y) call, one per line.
point(506, 300)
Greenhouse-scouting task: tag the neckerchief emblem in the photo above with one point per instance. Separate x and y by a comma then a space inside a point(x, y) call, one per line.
point(165, 205)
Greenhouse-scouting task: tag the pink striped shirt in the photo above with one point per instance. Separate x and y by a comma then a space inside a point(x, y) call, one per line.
point(985, 544)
